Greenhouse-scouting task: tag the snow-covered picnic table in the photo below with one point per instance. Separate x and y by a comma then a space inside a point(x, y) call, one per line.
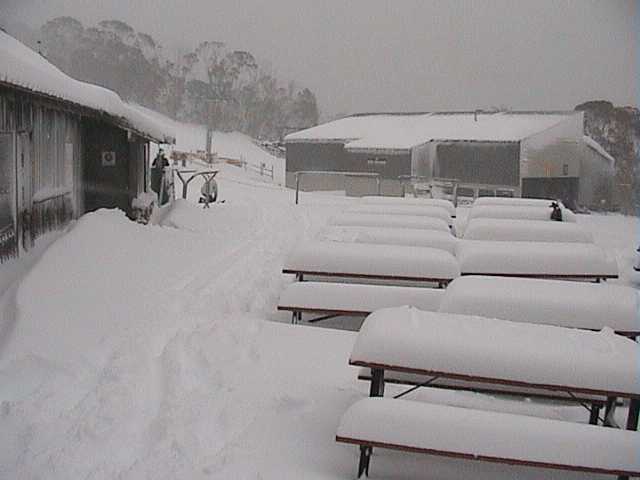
point(515, 202)
point(393, 263)
point(390, 221)
point(535, 259)
point(525, 212)
point(551, 302)
point(498, 437)
point(513, 230)
point(414, 201)
point(353, 299)
point(375, 209)
point(391, 236)
point(491, 351)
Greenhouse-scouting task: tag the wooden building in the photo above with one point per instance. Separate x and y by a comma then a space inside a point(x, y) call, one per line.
point(66, 148)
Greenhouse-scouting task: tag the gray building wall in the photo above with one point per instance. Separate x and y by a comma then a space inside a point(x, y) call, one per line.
point(332, 157)
point(479, 162)
point(596, 180)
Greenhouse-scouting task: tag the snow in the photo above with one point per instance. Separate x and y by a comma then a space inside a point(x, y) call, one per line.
point(371, 259)
point(389, 221)
point(413, 201)
point(401, 132)
point(154, 351)
point(534, 258)
point(591, 143)
point(145, 200)
point(391, 236)
point(518, 213)
point(357, 298)
point(459, 430)
point(466, 345)
point(389, 210)
point(513, 230)
point(515, 202)
point(24, 68)
point(545, 302)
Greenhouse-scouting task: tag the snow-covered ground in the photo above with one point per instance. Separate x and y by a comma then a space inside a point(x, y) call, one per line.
point(132, 351)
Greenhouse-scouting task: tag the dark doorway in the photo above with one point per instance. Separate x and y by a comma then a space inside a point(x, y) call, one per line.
point(105, 167)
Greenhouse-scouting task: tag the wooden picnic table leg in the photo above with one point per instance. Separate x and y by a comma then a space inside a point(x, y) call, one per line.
point(595, 414)
point(376, 390)
point(609, 412)
point(299, 277)
point(632, 422)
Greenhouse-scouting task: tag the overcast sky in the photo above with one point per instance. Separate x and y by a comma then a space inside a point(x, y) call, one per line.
point(402, 55)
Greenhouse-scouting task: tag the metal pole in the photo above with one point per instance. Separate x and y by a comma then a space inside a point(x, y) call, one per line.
point(297, 185)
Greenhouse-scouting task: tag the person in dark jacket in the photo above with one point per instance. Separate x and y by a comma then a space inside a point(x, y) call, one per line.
point(157, 173)
point(556, 213)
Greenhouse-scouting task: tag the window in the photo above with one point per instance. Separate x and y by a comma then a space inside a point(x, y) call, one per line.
point(376, 162)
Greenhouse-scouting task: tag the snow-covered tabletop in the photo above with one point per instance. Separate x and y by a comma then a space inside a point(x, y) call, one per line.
point(391, 236)
point(421, 202)
point(572, 260)
point(376, 209)
point(491, 350)
point(370, 260)
point(525, 212)
point(511, 230)
point(551, 302)
point(392, 221)
point(490, 436)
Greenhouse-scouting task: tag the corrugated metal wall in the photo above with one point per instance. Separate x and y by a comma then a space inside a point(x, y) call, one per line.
point(475, 162)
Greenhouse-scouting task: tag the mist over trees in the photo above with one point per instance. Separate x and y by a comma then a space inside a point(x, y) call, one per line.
point(213, 84)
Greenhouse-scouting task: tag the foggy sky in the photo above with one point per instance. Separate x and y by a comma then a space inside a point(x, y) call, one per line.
point(402, 55)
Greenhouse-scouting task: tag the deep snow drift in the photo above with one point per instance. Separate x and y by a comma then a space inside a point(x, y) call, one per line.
point(136, 351)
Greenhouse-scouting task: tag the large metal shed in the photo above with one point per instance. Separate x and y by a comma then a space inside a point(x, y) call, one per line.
point(532, 153)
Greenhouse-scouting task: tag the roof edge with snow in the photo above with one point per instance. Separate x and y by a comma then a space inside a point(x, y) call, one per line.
point(595, 146)
point(23, 69)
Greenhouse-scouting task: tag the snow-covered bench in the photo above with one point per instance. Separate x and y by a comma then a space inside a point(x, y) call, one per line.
point(392, 263)
point(510, 230)
point(518, 212)
point(535, 259)
point(374, 209)
point(389, 221)
point(391, 236)
point(337, 299)
point(551, 302)
point(495, 437)
point(495, 353)
point(420, 202)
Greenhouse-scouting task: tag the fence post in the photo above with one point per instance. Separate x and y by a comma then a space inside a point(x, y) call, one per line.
point(297, 185)
point(378, 183)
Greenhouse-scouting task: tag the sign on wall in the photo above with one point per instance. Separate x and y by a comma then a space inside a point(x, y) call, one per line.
point(108, 159)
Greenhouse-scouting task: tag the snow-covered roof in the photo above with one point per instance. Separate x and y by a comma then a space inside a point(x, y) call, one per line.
point(591, 143)
point(404, 131)
point(22, 67)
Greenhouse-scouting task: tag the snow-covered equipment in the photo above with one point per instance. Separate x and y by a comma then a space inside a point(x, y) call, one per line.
point(551, 302)
point(390, 221)
point(391, 236)
point(341, 299)
point(209, 189)
point(510, 230)
point(575, 261)
point(391, 263)
point(543, 358)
